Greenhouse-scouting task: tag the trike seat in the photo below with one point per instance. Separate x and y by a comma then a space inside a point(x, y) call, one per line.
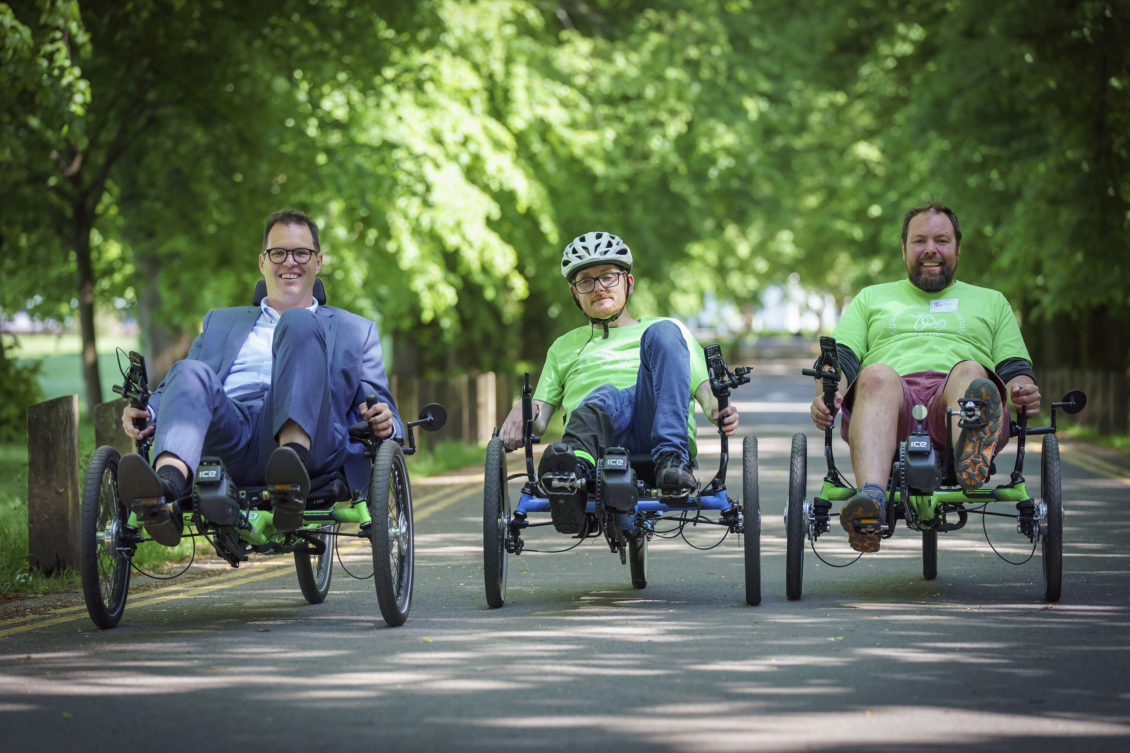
point(261, 293)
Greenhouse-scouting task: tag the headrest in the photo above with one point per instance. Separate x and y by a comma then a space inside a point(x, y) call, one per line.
point(261, 292)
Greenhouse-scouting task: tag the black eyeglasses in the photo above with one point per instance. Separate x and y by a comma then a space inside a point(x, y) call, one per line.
point(607, 280)
point(278, 255)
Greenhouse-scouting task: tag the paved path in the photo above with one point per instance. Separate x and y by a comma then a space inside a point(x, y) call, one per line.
point(873, 657)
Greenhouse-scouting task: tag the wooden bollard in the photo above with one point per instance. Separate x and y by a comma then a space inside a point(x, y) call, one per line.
point(108, 427)
point(53, 491)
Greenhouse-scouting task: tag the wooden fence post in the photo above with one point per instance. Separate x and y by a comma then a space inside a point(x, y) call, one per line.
point(108, 427)
point(485, 406)
point(53, 492)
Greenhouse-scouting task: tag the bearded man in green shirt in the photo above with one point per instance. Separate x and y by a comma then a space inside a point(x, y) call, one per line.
point(927, 340)
point(622, 383)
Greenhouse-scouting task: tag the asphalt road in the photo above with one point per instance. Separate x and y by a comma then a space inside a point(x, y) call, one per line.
point(872, 657)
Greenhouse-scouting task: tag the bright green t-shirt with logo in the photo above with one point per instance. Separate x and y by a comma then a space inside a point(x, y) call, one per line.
point(911, 330)
point(583, 359)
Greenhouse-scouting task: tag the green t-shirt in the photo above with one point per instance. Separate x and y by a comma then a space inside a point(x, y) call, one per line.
point(582, 359)
point(911, 330)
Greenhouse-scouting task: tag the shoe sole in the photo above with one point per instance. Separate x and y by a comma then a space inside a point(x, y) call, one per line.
point(137, 481)
point(289, 483)
point(861, 517)
point(977, 445)
point(568, 514)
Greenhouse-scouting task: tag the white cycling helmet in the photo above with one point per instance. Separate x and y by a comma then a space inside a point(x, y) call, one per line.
point(595, 248)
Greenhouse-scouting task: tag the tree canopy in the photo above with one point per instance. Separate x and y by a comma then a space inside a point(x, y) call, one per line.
point(450, 148)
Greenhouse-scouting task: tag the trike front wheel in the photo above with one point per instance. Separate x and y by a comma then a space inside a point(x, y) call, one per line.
point(796, 523)
point(391, 533)
point(1051, 527)
point(496, 518)
point(751, 522)
point(106, 546)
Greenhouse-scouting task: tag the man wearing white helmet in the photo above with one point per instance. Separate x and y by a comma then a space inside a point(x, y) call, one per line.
point(622, 383)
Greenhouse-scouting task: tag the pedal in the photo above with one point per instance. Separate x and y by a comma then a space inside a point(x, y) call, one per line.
point(971, 412)
point(559, 484)
point(868, 526)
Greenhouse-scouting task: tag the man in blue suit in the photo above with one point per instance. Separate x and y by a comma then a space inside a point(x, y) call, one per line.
point(271, 390)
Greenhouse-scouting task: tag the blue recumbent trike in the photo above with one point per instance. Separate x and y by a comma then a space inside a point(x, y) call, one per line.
point(624, 507)
point(923, 490)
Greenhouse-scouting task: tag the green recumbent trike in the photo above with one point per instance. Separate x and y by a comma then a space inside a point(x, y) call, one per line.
point(923, 491)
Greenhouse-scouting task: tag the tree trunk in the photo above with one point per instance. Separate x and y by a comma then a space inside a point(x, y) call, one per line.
point(165, 344)
point(85, 285)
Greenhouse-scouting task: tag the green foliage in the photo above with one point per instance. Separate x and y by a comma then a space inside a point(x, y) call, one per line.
point(450, 148)
point(19, 388)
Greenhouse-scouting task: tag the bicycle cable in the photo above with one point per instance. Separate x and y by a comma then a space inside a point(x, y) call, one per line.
point(989, 541)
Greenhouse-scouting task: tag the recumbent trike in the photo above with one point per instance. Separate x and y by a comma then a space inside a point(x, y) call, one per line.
point(923, 489)
point(624, 506)
point(239, 521)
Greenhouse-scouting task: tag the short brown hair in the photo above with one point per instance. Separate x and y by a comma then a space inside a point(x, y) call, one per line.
point(292, 217)
point(933, 206)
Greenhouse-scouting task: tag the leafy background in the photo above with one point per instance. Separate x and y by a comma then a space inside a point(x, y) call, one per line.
point(450, 148)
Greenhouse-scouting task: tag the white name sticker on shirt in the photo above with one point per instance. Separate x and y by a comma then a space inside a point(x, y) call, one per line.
point(943, 306)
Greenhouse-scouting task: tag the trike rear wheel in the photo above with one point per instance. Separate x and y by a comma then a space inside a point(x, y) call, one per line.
point(930, 554)
point(796, 523)
point(637, 560)
point(751, 522)
point(496, 517)
point(105, 551)
point(1051, 527)
point(315, 571)
point(391, 533)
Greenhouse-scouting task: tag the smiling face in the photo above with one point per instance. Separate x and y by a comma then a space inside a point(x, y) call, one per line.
point(930, 251)
point(603, 302)
point(290, 284)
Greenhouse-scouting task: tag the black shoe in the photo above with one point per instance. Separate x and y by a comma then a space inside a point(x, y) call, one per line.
point(674, 476)
point(565, 479)
point(157, 507)
point(288, 484)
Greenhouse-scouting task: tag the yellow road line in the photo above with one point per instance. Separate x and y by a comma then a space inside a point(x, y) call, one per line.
point(70, 614)
point(1097, 466)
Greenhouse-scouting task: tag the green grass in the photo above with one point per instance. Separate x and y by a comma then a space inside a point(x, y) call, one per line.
point(62, 366)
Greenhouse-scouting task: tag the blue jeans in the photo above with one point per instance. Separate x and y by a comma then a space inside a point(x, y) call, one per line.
point(650, 416)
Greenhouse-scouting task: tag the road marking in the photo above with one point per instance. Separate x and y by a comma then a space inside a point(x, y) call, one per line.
point(1097, 466)
point(425, 505)
point(69, 614)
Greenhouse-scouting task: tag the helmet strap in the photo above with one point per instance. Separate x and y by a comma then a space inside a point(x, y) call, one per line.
point(603, 322)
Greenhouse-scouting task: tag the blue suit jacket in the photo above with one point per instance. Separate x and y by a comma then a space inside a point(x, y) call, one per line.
point(357, 367)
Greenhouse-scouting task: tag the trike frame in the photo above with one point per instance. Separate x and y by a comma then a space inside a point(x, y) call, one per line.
point(627, 532)
point(111, 531)
point(934, 507)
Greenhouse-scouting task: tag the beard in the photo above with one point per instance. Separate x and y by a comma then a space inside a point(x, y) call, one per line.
point(932, 280)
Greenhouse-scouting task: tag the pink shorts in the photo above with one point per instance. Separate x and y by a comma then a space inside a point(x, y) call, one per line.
point(926, 388)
